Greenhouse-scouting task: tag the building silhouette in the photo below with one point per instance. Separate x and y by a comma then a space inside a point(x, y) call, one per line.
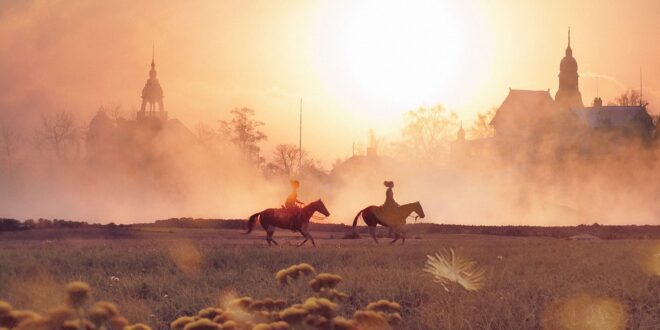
point(568, 94)
point(142, 140)
point(152, 96)
point(528, 119)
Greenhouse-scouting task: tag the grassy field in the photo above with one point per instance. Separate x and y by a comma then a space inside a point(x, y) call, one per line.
point(157, 276)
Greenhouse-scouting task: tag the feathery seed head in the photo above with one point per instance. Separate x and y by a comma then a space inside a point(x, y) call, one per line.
point(447, 267)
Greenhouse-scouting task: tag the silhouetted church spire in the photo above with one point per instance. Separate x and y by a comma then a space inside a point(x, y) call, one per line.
point(568, 95)
point(152, 94)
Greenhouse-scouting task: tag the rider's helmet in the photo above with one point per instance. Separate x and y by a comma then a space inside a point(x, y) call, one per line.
point(295, 184)
point(389, 184)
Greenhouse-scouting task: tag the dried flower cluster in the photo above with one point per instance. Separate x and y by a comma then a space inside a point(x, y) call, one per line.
point(284, 276)
point(102, 315)
point(319, 311)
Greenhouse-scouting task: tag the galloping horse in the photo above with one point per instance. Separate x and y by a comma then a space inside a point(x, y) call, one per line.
point(271, 218)
point(399, 216)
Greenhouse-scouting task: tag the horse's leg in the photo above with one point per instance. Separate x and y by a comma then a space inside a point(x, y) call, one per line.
point(403, 232)
point(372, 232)
point(305, 236)
point(271, 231)
point(303, 229)
point(310, 237)
point(396, 235)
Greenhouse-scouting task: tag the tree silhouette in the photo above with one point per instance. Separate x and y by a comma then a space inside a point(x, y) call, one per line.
point(427, 133)
point(58, 133)
point(481, 127)
point(9, 140)
point(285, 159)
point(205, 134)
point(630, 97)
point(242, 130)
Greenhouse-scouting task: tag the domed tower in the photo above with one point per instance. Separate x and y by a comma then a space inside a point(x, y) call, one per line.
point(152, 94)
point(568, 95)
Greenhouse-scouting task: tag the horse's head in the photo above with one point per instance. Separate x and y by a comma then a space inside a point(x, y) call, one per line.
point(419, 210)
point(320, 207)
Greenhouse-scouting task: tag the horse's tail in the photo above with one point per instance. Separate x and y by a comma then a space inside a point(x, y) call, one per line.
point(251, 221)
point(356, 218)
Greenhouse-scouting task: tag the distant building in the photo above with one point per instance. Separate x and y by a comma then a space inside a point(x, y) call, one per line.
point(568, 95)
point(527, 119)
point(618, 121)
point(522, 113)
point(139, 140)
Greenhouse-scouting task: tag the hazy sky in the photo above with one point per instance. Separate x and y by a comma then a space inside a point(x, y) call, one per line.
point(356, 64)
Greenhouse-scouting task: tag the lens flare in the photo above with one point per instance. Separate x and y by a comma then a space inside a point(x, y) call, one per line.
point(584, 311)
point(186, 257)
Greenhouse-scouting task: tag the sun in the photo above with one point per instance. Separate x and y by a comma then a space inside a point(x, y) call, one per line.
point(403, 54)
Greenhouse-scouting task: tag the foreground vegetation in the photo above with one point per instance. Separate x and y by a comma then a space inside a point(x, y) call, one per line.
point(529, 282)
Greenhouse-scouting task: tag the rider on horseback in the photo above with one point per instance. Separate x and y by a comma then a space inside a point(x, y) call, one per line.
point(390, 203)
point(385, 211)
point(292, 204)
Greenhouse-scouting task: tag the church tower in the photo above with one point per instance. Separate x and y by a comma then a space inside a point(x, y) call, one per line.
point(152, 95)
point(568, 95)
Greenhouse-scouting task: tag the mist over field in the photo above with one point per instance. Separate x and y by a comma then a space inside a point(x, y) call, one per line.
point(63, 57)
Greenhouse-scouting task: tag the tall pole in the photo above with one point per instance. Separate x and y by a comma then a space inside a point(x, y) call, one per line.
point(300, 140)
point(641, 89)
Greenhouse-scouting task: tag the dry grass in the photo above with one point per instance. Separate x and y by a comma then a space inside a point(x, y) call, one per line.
point(527, 281)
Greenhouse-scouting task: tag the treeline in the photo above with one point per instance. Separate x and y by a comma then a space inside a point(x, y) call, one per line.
point(596, 230)
point(17, 225)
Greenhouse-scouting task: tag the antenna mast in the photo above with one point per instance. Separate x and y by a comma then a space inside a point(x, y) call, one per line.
point(300, 140)
point(641, 90)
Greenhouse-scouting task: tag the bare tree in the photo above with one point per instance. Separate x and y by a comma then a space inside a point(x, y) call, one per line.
point(205, 134)
point(427, 133)
point(481, 127)
point(9, 141)
point(242, 130)
point(58, 133)
point(630, 97)
point(285, 159)
point(113, 110)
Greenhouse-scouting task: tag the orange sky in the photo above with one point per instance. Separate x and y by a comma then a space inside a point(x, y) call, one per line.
point(356, 64)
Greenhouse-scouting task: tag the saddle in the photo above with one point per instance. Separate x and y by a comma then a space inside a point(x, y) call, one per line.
point(388, 216)
point(290, 215)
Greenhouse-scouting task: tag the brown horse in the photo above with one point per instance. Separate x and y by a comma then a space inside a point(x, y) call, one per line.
point(400, 214)
point(282, 218)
